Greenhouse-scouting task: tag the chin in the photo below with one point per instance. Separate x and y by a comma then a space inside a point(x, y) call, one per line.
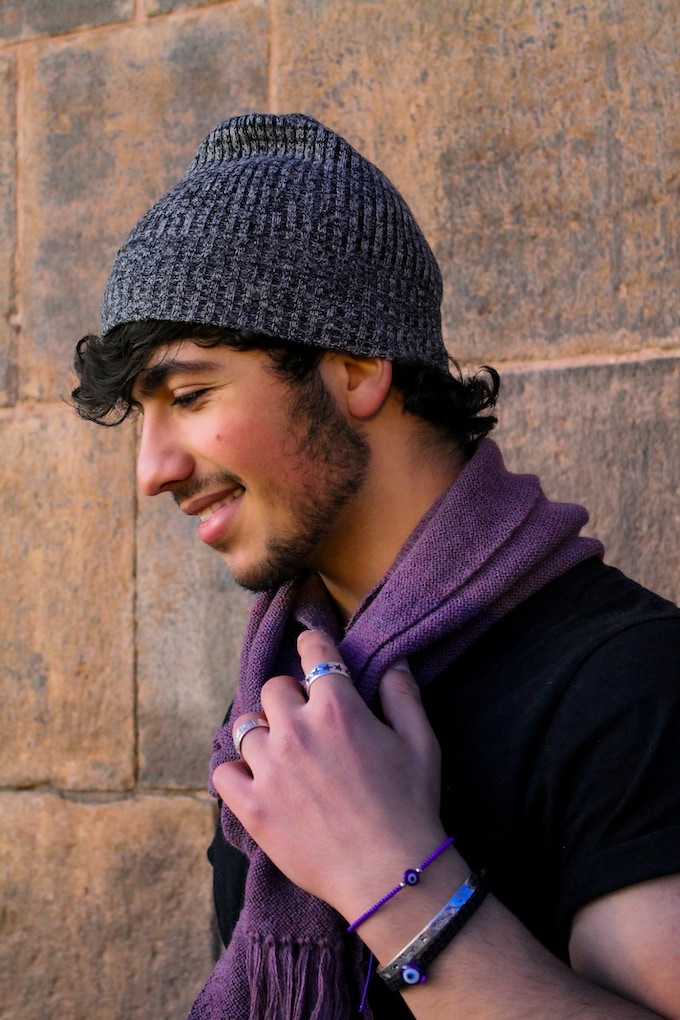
point(261, 577)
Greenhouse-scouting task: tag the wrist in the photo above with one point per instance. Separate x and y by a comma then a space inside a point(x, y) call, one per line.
point(367, 878)
point(388, 928)
point(410, 878)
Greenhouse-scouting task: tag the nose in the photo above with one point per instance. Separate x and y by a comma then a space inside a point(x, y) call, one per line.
point(162, 460)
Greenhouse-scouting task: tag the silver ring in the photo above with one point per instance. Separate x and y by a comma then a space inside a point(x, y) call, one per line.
point(246, 727)
point(323, 669)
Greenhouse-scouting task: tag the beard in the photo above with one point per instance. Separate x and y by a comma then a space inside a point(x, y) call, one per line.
point(336, 457)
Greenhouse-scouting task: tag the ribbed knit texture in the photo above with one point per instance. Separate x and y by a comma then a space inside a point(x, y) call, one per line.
point(491, 541)
point(280, 226)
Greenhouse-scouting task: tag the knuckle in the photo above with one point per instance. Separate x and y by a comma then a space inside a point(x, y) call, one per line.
point(272, 689)
point(331, 714)
point(293, 739)
point(253, 816)
point(315, 643)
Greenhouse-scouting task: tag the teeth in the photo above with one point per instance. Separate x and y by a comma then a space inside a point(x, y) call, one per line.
point(210, 510)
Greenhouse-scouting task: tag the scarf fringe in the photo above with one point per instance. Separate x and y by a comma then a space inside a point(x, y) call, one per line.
point(297, 980)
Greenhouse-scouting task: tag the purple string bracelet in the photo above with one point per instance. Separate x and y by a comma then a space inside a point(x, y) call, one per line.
point(411, 877)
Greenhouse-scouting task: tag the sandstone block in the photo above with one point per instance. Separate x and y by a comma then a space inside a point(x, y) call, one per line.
point(66, 603)
point(31, 18)
point(106, 907)
point(8, 233)
point(605, 436)
point(190, 622)
point(537, 145)
point(115, 118)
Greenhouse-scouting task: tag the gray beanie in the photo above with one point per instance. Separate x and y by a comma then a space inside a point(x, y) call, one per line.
point(279, 226)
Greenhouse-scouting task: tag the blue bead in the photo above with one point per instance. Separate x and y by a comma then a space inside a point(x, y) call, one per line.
point(411, 877)
point(412, 974)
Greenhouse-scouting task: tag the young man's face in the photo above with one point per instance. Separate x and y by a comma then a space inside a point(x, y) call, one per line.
point(270, 467)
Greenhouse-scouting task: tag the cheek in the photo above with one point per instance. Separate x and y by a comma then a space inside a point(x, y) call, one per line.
point(257, 451)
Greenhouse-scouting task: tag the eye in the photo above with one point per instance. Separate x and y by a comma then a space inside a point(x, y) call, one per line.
point(187, 399)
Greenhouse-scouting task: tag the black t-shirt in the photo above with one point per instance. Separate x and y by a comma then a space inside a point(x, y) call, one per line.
point(560, 736)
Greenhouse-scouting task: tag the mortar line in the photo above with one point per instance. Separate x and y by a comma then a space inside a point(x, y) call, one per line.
point(591, 359)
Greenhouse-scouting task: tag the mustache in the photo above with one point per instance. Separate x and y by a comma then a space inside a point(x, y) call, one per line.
point(197, 486)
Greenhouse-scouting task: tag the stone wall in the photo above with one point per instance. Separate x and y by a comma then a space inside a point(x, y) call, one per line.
point(539, 144)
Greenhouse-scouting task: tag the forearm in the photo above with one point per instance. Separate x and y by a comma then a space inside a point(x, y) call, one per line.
point(373, 785)
point(493, 968)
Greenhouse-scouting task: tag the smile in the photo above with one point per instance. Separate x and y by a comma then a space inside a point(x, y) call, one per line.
point(207, 513)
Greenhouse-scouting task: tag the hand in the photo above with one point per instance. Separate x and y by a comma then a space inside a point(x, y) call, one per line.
point(341, 802)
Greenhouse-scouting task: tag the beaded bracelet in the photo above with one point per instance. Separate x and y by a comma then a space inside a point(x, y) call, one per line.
point(411, 877)
point(408, 967)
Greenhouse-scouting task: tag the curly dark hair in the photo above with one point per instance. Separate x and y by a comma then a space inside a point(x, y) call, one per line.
point(457, 407)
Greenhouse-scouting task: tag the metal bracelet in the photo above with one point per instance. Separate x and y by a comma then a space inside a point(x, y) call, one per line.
point(408, 967)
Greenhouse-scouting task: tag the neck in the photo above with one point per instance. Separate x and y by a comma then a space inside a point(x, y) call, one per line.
point(398, 493)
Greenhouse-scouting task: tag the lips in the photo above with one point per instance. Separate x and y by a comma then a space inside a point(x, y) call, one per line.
point(216, 517)
point(205, 505)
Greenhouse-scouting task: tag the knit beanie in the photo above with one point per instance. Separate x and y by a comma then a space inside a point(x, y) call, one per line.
point(279, 226)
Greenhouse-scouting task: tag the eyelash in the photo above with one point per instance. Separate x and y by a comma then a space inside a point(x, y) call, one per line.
point(187, 399)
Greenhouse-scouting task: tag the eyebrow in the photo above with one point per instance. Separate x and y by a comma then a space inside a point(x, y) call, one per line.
point(151, 379)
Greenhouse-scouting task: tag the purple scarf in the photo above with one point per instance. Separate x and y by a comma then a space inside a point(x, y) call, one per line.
point(488, 543)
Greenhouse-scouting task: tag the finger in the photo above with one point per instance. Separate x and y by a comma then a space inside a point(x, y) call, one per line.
point(244, 725)
point(232, 780)
point(403, 709)
point(321, 660)
point(281, 695)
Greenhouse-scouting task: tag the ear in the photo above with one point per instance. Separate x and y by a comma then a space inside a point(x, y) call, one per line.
point(362, 385)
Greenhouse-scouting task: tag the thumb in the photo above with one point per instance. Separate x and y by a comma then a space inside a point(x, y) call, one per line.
point(403, 709)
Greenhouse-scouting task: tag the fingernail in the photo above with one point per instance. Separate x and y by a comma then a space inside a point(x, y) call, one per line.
point(402, 664)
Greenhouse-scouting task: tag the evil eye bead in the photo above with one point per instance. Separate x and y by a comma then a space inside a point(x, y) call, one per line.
point(412, 974)
point(411, 876)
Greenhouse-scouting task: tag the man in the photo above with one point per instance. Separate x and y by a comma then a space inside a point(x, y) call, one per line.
point(275, 319)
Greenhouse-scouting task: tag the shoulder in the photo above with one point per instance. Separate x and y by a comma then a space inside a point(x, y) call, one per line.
point(590, 623)
point(594, 601)
point(593, 608)
point(563, 718)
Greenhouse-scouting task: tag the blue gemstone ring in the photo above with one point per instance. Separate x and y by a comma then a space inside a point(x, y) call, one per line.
point(326, 669)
